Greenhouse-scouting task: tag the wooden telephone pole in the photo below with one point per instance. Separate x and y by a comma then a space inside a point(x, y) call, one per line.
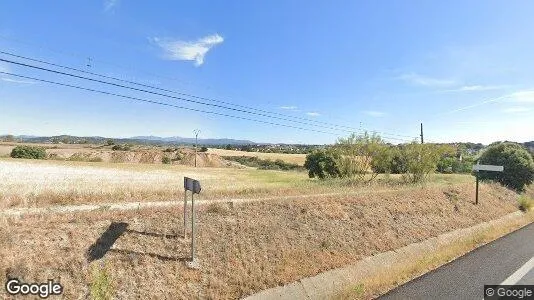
point(422, 141)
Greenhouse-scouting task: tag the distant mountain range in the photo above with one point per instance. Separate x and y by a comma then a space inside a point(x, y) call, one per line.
point(156, 140)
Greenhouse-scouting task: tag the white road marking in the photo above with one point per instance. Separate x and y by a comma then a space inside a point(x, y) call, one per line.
point(514, 278)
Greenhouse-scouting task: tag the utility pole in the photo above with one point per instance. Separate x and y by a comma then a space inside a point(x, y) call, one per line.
point(196, 132)
point(422, 133)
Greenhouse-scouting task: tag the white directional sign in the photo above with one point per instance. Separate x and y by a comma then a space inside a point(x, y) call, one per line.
point(488, 168)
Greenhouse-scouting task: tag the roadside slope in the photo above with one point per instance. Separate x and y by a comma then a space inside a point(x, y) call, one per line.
point(243, 248)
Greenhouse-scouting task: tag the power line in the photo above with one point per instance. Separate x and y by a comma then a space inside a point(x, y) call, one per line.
point(263, 112)
point(162, 103)
point(84, 57)
point(159, 94)
point(171, 78)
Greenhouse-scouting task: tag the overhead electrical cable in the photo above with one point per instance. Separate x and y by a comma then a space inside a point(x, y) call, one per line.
point(263, 112)
point(174, 97)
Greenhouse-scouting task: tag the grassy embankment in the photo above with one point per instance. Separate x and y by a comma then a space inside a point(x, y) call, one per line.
point(242, 248)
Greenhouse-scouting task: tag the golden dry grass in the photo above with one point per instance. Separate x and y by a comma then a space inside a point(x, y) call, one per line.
point(25, 183)
point(289, 158)
point(37, 183)
point(242, 248)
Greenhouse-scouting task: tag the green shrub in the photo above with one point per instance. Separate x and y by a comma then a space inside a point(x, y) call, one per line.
point(421, 160)
point(525, 203)
point(124, 147)
point(101, 286)
point(166, 160)
point(518, 165)
point(361, 156)
point(31, 152)
point(264, 164)
point(322, 164)
point(179, 156)
point(203, 149)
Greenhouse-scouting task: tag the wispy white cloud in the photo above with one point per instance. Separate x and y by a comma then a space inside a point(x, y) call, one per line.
point(6, 78)
point(526, 96)
point(481, 87)
point(188, 50)
point(476, 88)
point(109, 5)
point(417, 79)
point(516, 109)
point(4, 67)
point(374, 113)
point(290, 107)
point(313, 114)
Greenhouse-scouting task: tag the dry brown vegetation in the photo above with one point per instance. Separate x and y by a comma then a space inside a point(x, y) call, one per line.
point(242, 248)
point(25, 183)
point(286, 157)
point(36, 183)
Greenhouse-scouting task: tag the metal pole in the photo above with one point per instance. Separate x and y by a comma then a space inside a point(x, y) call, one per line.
point(185, 213)
point(476, 194)
point(196, 132)
point(192, 227)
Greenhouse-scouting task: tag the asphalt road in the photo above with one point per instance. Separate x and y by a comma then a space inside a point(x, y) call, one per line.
point(508, 258)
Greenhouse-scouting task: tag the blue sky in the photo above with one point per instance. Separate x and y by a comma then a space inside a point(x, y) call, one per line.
point(463, 68)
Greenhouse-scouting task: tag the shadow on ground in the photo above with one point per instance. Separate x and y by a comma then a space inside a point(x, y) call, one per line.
point(115, 230)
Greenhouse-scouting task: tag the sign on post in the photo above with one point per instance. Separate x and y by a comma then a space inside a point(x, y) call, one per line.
point(490, 168)
point(193, 186)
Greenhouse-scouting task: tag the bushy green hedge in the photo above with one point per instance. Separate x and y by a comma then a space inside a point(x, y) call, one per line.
point(31, 152)
point(322, 164)
point(365, 156)
point(518, 165)
point(264, 164)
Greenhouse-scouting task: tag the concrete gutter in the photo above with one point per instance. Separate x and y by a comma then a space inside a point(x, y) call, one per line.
point(328, 284)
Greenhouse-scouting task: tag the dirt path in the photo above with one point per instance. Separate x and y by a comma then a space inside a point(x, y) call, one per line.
point(17, 212)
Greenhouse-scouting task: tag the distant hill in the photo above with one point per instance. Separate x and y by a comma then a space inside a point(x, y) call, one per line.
point(182, 140)
point(149, 140)
point(529, 146)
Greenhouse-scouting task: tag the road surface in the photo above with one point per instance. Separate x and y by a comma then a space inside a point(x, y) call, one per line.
point(508, 260)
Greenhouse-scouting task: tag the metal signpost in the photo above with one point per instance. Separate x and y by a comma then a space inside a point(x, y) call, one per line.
point(193, 186)
point(491, 168)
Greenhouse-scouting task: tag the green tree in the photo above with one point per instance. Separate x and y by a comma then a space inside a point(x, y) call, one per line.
point(31, 152)
point(362, 156)
point(518, 165)
point(8, 138)
point(322, 164)
point(421, 160)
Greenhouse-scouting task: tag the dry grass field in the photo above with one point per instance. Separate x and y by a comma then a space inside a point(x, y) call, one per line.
point(26, 183)
point(289, 158)
point(242, 248)
point(38, 183)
